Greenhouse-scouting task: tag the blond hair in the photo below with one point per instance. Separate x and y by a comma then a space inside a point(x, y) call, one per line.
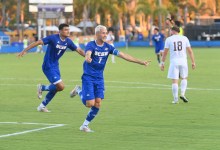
point(99, 27)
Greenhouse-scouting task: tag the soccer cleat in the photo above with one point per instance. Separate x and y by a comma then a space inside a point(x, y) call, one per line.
point(185, 100)
point(175, 102)
point(39, 91)
point(74, 92)
point(42, 109)
point(85, 129)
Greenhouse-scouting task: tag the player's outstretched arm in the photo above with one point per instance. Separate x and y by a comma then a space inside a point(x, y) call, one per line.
point(32, 45)
point(80, 52)
point(133, 59)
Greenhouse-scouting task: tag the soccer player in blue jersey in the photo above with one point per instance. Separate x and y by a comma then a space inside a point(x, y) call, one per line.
point(158, 39)
point(57, 45)
point(96, 55)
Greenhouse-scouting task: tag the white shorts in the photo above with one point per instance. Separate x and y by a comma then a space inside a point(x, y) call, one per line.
point(177, 71)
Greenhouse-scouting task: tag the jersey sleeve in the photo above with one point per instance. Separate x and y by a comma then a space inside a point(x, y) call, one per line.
point(152, 38)
point(89, 47)
point(113, 50)
point(46, 40)
point(163, 37)
point(71, 45)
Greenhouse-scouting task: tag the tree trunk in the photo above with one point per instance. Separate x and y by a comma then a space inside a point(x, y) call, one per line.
point(3, 13)
point(18, 15)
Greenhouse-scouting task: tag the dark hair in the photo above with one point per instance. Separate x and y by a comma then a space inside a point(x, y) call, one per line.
point(156, 29)
point(110, 29)
point(177, 23)
point(62, 25)
point(175, 28)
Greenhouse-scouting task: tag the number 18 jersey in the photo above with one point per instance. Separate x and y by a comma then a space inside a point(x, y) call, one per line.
point(177, 45)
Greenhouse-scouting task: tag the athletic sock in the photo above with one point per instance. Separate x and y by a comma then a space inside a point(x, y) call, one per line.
point(41, 105)
point(48, 97)
point(50, 87)
point(86, 123)
point(183, 86)
point(158, 58)
point(91, 115)
point(175, 91)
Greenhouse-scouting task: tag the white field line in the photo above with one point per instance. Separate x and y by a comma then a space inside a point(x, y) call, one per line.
point(145, 85)
point(49, 126)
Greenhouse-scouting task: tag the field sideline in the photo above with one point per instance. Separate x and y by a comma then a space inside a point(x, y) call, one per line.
point(136, 113)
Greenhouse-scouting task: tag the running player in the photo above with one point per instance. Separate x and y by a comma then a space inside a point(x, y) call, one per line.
point(57, 45)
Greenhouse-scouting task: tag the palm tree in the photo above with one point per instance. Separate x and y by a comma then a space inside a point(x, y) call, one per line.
point(160, 11)
point(120, 7)
point(3, 19)
point(142, 11)
point(199, 8)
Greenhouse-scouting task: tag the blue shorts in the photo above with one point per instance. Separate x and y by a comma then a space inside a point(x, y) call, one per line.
point(158, 49)
point(53, 75)
point(92, 89)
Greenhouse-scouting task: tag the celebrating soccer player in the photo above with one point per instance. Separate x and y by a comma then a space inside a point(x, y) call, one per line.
point(96, 55)
point(57, 45)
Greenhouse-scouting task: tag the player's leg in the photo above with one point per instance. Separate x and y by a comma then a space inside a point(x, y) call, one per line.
point(113, 58)
point(183, 84)
point(56, 85)
point(173, 74)
point(157, 52)
point(175, 90)
point(94, 105)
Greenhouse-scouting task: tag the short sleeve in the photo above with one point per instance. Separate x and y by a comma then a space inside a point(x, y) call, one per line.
point(47, 39)
point(71, 45)
point(113, 50)
point(89, 46)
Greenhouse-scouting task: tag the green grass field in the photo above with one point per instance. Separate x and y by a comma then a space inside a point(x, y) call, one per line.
point(136, 114)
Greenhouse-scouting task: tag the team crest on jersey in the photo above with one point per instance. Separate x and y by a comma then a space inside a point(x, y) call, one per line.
point(106, 48)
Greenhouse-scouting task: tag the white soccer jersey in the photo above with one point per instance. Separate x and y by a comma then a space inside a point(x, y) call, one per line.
point(177, 45)
point(110, 37)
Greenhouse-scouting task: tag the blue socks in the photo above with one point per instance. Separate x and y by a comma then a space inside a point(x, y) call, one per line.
point(51, 87)
point(52, 92)
point(49, 97)
point(92, 113)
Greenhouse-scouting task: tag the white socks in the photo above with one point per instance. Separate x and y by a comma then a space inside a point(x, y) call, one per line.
point(86, 123)
point(183, 86)
point(175, 91)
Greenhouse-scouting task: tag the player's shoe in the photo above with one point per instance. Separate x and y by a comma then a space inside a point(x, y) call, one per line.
point(74, 92)
point(175, 102)
point(39, 91)
point(42, 109)
point(85, 129)
point(185, 100)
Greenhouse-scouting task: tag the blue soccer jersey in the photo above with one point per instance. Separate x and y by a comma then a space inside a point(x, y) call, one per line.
point(158, 42)
point(56, 48)
point(99, 58)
